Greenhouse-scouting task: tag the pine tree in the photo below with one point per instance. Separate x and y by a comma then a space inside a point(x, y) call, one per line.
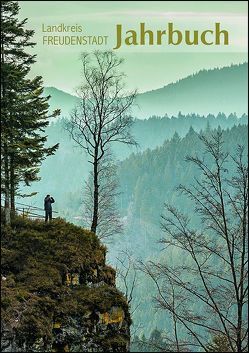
point(24, 110)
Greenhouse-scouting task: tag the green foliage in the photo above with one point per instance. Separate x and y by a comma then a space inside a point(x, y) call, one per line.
point(219, 344)
point(95, 299)
point(155, 343)
point(115, 343)
point(24, 114)
point(58, 244)
point(149, 179)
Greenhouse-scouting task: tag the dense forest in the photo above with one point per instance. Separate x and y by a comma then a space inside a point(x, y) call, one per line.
point(149, 134)
point(148, 181)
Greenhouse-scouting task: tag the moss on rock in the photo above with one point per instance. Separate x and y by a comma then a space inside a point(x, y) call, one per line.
point(57, 273)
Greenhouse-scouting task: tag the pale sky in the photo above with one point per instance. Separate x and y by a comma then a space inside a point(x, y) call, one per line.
point(146, 67)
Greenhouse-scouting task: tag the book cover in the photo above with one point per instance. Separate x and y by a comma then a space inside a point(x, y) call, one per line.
point(124, 187)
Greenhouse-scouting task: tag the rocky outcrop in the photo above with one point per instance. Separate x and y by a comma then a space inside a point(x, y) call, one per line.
point(58, 294)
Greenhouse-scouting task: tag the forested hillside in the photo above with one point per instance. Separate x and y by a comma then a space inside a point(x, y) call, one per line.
point(148, 181)
point(67, 183)
point(148, 178)
point(206, 92)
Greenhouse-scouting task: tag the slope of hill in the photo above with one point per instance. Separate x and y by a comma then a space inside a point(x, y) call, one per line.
point(148, 180)
point(60, 100)
point(208, 91)
point(58, 294)
point(56, 173)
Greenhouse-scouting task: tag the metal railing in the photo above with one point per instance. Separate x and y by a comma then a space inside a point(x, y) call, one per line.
point(30, 211)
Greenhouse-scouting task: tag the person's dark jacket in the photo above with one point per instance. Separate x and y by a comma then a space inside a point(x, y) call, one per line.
point(48, 203)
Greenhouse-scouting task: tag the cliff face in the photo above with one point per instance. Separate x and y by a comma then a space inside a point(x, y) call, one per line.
point(58, 295)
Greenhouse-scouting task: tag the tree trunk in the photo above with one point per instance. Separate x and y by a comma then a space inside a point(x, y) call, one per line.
point(5, 146)
point(6, 186)
point(95, 197)
point(12, 187)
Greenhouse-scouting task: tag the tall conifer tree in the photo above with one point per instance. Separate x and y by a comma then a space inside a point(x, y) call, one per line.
point(24, 110)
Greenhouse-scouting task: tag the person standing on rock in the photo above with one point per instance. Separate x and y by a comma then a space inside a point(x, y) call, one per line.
point(48, 207)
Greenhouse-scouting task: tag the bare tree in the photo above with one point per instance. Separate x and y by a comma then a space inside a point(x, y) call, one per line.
point(127, 273)
point(101, 118)
point(128, 281)
point(109, 220)
point(205, 292)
